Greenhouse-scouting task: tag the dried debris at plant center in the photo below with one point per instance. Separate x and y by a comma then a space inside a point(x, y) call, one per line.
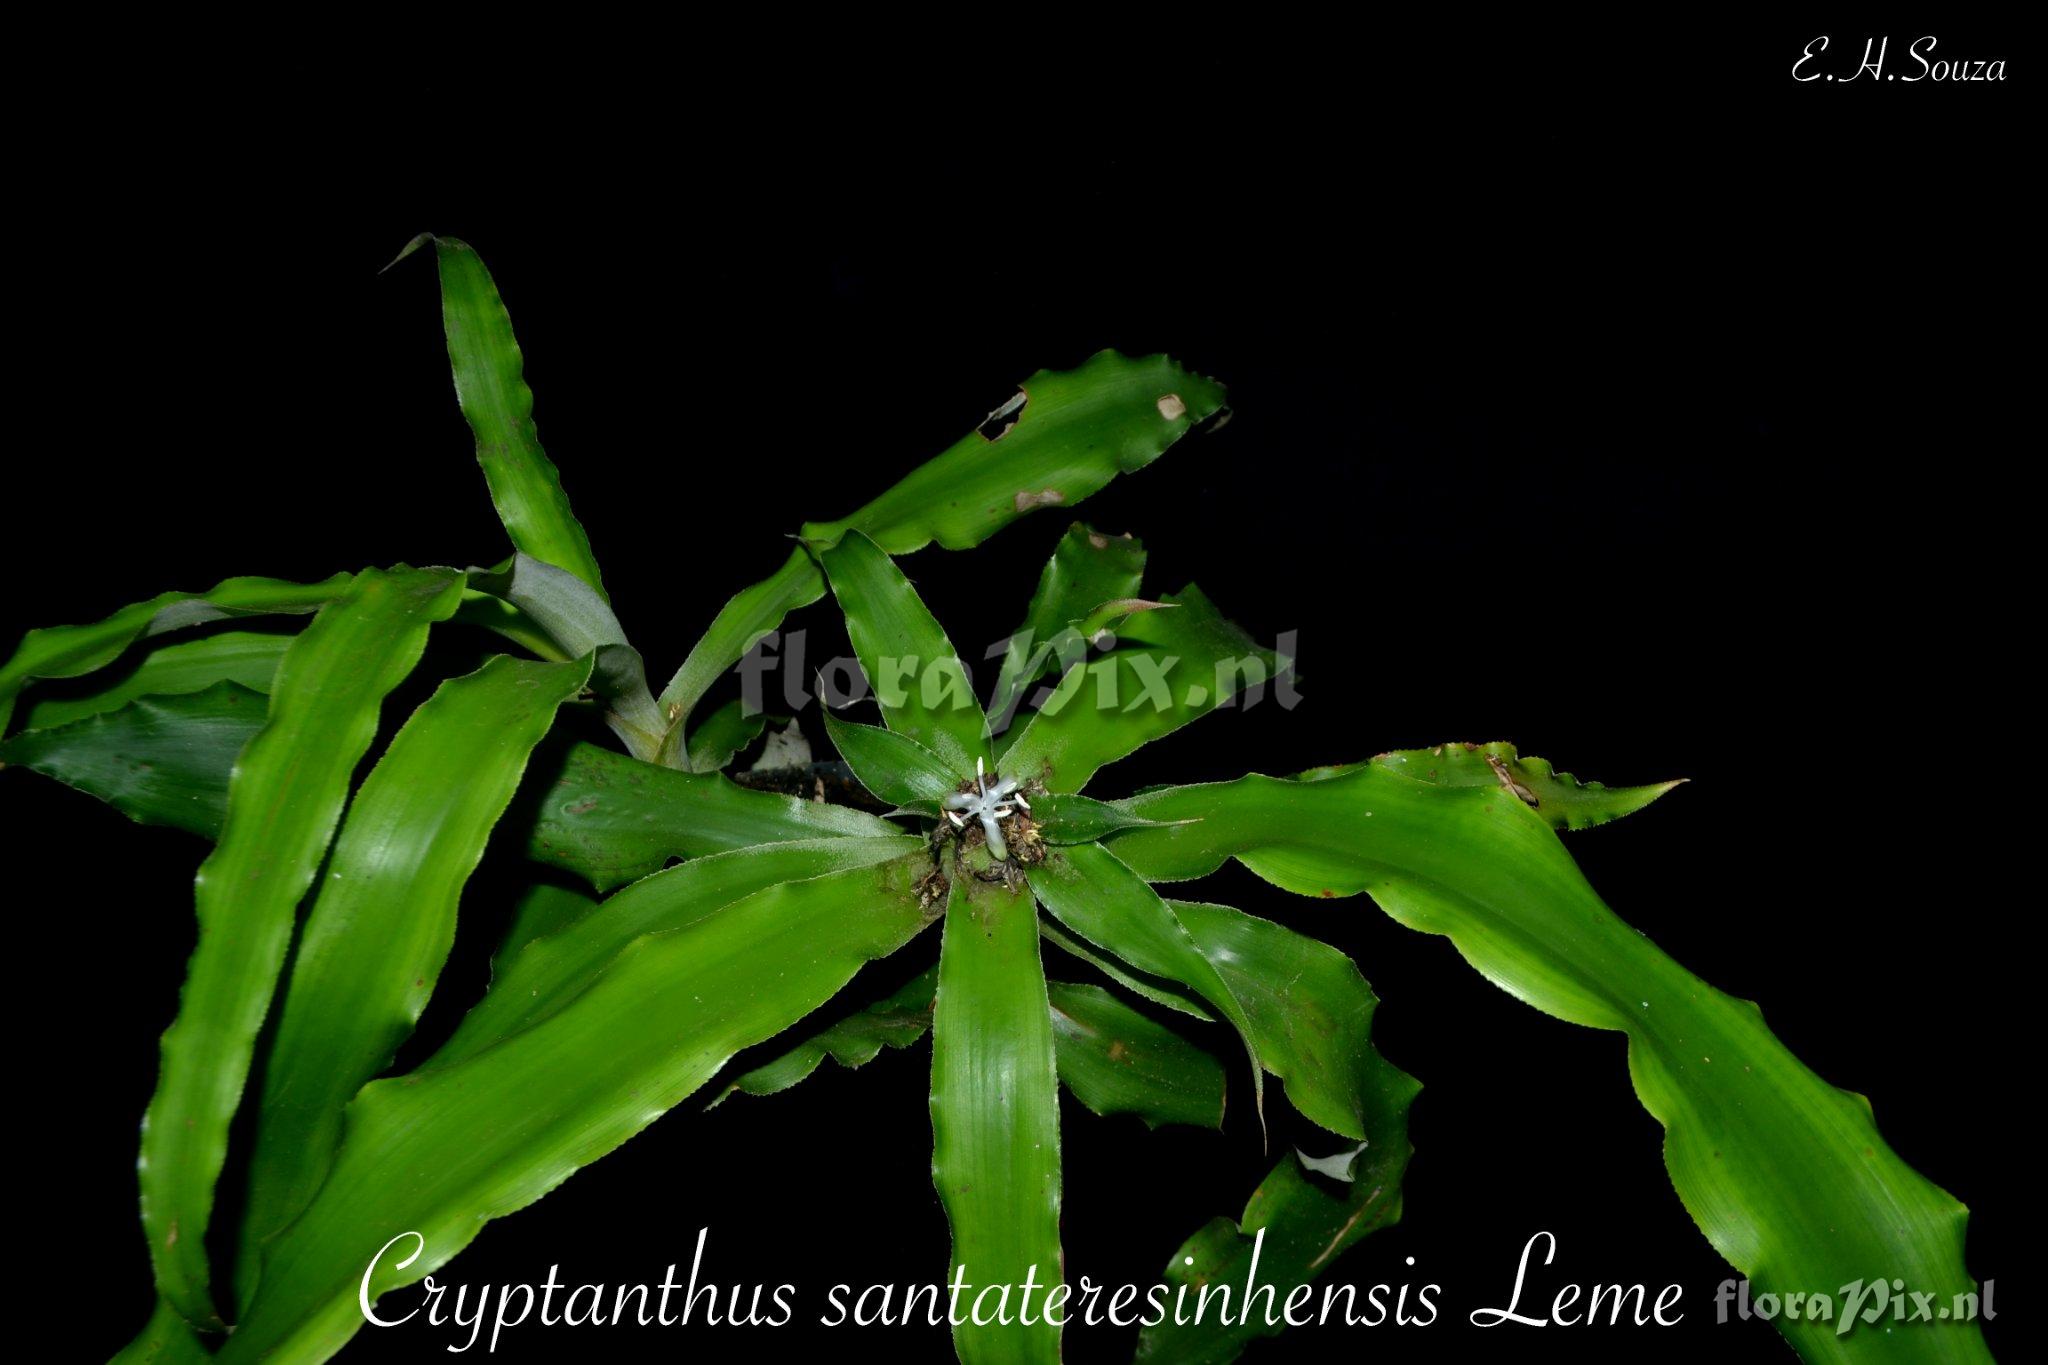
point(963, 828)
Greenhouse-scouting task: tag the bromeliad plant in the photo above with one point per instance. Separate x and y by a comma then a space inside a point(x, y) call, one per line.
point(607, 1011)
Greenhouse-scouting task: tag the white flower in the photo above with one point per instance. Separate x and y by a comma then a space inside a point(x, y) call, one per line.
point(988, 805)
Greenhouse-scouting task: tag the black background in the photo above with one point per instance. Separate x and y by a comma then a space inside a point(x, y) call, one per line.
point(1613, 396)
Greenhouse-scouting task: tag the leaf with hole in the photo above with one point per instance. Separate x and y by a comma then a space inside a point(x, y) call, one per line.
point(604, 1013)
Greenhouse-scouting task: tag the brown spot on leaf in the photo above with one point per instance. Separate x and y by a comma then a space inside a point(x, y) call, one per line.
point(1026, 500)
point(1507, 780)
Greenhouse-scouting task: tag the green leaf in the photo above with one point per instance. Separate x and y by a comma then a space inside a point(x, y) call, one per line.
point(916, 678)
point(1114, 1059)
point(159, 760)
point(611, 819)
point(724, 733)
point(490, 386)
point(1070, 819)
point(596, 813)
point(72, 651)
point(1086, 570)
point(1186, 663)
point(535, 982)
point(1307, 1222)
point(1311, 1012)
point(244, 657)
point(441, 1151)
point(1562, 800)
point(1078, 430)
point(1157, 991)
point(894, 768)
point(1786, 1175)
point(853, 1041)
point(167, 1339)
point(543, 909)
point(493, 613)
point(740, 624)
point(1118, 1061)
point(1102, 900)
point(283, 803)
point(995, 1118)
point(581, 622)
point(383, 920)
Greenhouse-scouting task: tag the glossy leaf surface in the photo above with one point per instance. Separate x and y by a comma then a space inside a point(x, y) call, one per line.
point(383, 919)
point(1311, 1013)
point(741, 624)
point(246, 658)
point(443, 1150)
point(893, 767)
point(912, 670)
point(72, 651)
point(723, 734)
point(1089, 891)
point(1786, 1175)
point(166, 1339)
point(611, 819)
point(1070, 819)
point(1114, 1059)
point(579, 620)
point(157, 760)
point(490, 385)
point(995, 1116)
point(1562, 800)
point(897, 1021)
point(1117, 1060)
point(600, 815)
point(1077, 430)
point(1297, 1224)
point(283, 803)
point(1191, 660)
point(553, 969)
point(1086, 570)
point(1156, 989)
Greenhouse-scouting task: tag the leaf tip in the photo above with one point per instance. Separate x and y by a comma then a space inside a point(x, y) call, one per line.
point(409, 248)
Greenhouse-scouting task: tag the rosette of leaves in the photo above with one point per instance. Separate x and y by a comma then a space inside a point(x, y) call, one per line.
point(722, 918)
